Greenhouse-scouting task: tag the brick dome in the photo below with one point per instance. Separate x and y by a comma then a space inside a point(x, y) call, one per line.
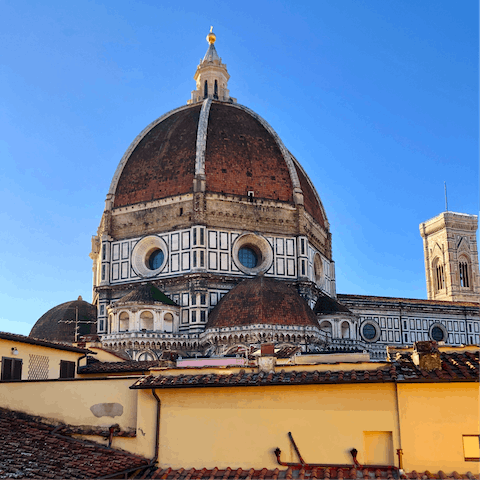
point(230, 147)
point(261, 300)
point(58, 324)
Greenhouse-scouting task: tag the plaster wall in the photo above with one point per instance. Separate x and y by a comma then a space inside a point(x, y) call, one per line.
point(69, 401)
point(433, 418)
point(241, 427)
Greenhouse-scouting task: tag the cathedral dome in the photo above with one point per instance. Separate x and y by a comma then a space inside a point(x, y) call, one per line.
point(231, 148)
point(58, 324)
point(261, 300)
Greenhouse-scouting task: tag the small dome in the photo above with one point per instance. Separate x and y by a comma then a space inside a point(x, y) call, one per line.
point(58, 324)
point(261, 300)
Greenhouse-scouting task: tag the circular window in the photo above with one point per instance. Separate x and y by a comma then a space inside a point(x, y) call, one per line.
point(149, 257)
point(438, 333)
point(370, 332)
point(252, 254)
point(156, 259)
point(248, 257)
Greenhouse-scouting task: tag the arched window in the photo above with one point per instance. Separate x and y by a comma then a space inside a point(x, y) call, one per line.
point(464, 274)
point(168, 322)
point(326, 327)
point(215, 91)
point(123, 321)
point(145, 356)
point(146, 321)
point(345, 330)
point(439, 275)
point(205, 91)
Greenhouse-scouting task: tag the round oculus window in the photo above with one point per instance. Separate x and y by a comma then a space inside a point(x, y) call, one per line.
point(248, 257)
point(252, 254)
point(369, 332)
point(149, 256)
point(155, 260)
point(437, 334)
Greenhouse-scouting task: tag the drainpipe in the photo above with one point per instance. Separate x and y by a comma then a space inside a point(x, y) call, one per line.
point(157, 430)
point(81, 358)
point(399, 449)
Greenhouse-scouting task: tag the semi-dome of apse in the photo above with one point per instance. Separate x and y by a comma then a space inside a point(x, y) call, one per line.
point(261, 300)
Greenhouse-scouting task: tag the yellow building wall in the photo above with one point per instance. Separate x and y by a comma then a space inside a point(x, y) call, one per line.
point(241, 427)
point(69, 401)
point(433, 419)
point(37, 359)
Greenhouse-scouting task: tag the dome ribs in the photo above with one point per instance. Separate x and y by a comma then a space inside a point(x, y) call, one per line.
point(242, 156)
point(163, 163)
point(261, 300)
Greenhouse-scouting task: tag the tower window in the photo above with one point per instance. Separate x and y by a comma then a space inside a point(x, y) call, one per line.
point(205, 94)
point(439, 275)
point(215, 91)
point(463, 269)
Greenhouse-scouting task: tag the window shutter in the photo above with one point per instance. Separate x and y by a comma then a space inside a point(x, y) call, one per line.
point(17, 369)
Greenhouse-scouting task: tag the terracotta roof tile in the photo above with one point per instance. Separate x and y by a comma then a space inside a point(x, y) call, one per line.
point(299, 472)
point(44, 343)
point(456, 366)
point(32, 449)
point(118, 367)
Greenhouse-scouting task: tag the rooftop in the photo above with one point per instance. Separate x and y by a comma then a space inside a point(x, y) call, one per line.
point(31, 449)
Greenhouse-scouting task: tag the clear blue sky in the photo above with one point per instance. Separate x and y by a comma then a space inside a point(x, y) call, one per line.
point(378, 100)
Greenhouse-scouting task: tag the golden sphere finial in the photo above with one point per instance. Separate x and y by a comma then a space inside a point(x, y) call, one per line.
point(211, 37)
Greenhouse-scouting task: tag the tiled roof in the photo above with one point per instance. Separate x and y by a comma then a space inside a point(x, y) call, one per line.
point(118, 367)
point(30, 449)
point(307, 472)
point(261, 300)
point(326, 305)
point(44, 343)
point(146, 294)
point(456, 367)
point(342, 297)
point(281, 377)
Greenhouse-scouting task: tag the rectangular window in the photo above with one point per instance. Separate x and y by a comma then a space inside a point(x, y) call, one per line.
point(11, 368)
point(104, 251)
point(67, 369)
point(471, 448)
point(194, 236)
point(102, 309)
point(194, 259)
point(202, 258)
point(303, 267)
point(194, 316)
point(302, 246)
point(103, 272)
point(102, 325)
point(202, 236)
point(203, 316)
point(194, 299)
point(203, 299)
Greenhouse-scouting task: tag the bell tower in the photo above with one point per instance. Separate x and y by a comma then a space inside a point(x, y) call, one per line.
point(451, 257)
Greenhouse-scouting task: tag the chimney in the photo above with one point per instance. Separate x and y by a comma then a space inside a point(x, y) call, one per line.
point(426, 356)
point(267, 359)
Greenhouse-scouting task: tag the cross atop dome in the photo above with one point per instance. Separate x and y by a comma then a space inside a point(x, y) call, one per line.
point(211, 76)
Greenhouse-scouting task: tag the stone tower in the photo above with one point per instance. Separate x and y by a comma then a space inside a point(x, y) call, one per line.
point(451, 257)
